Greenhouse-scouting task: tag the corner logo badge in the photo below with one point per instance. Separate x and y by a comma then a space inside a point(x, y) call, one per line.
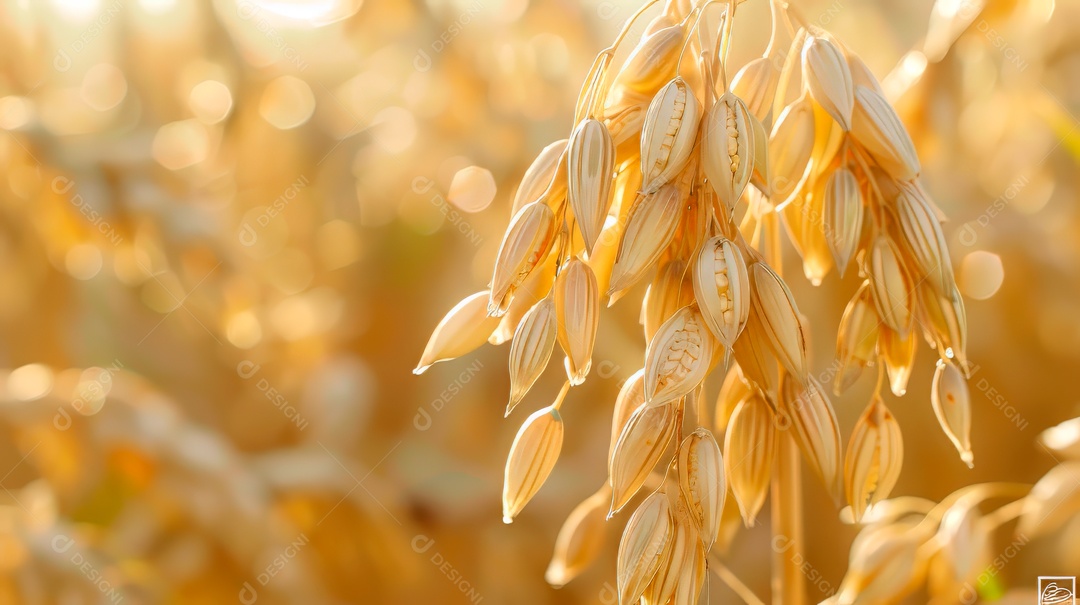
point(1057, 590)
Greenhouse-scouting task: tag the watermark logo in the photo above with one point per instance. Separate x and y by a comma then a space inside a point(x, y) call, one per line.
point(1057, 590)
point(62, 544)
point(248, 593)
point(421, 544)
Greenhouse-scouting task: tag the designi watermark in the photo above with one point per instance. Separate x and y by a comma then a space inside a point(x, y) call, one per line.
point(421, 544)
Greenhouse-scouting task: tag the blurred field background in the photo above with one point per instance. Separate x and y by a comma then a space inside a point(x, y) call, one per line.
point(228, 227)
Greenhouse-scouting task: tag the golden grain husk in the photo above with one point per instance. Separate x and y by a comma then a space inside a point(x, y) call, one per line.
point(577, 312)
point(966, 547)
point(856, 338)
point(946, 319)
point(727, 148)
point(669, 134)
point(803, 217)
point(861, 74)
point(732, 391)
point(813, 419)
point(755, 356)
point(590, 170)
point(759, 176)
point(875, 125)
point(653, 60)
point(722, 288)
point(631, 397)
point(527, 241)
point(644, 541)
point(1053, 501)
point(545, 177)
point(828, 78)
point(531, 349)
point(779, 318)
point(749, 446)
point(602, 258)
point(678, 554)
point(874, 458)
point(898, 353)
point(650, 227)
point(535, 288)
point(464, 329)
point(884, 562)
point(580, 540)
point(791, 144)
point(678, 357)
point(668, 293)
point(1063, 439)
point(843, 216)
point(952, 406)
point(532, 457)
point(640, 447)
point(923, 237)
point(702, 483)
point(890, 286)
point(755, 84)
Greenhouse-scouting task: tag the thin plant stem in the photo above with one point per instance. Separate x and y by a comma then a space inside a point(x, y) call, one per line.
point(732, 581)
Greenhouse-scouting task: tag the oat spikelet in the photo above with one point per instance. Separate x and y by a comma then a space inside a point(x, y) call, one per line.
point(602, 258)
point(534, 289)
point(526, 243)
point(653, 60)
point(890, 286)
point(577, 314)
point(531, 349)
point(631, 397)
point(590, 169)
point(669, 133)
point(923, 237)
point(754, 355)
point(649, 229)
point(1053, 501)
point(947, 321)
point(688, 592)
point(875, 455)
point(668, 293)
point(828, 78)
point(545, 177)
point(641, 445)
point(876, 126)
point(843, 216)
point(759, 176)
point(1063, 439)
point(702, 483)
point(580, 540)
point(727, 148)
point(678, 357)
point(952, 406)
point(884, 562)
point(749, 445)
point(790, 146)
point(856, 339)
point(780, 318)
point(898, 353)
point(464, 329)
point(642, 546)
point(532, 456)
point(722, 288)
point(732, 392)
point(678, 555)
point(966, 547)
point(755, 84)
point(816, 430)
